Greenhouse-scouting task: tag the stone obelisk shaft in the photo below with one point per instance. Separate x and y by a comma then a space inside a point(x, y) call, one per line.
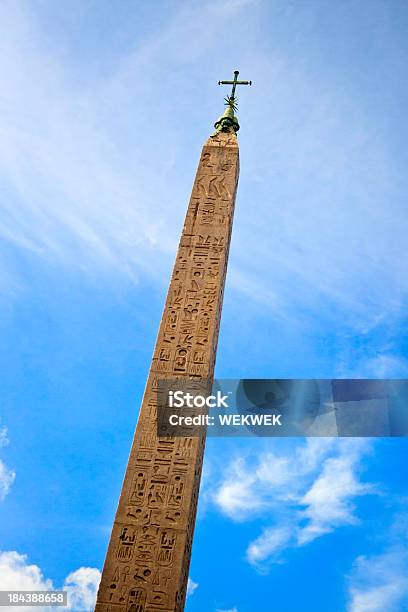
point(148, 558)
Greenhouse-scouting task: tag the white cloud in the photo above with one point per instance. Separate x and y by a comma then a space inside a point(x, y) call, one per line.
point(235, 495)
point(3, 436)
point(191, 586)
point(379, 582)
point(17, 574)
point(270, 543)
point(82, 587)
point(310, 490)
point(248, 488)
point(7, 476)
point(6, 480)
point(328, 501)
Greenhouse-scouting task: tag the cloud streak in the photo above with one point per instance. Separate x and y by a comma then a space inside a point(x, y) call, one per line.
point(80, 185)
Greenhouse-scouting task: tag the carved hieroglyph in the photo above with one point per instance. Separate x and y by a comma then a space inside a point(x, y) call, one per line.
point(148, 558)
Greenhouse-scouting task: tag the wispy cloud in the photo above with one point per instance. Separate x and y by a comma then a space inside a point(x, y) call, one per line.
point(379, 582)
point(328, 503)
point(311, 490)
point(7, 475)
point(93, 166)
point(191, 586)
point(81, 185)
point(385, 365)
point(326, 195)
point(269, 544)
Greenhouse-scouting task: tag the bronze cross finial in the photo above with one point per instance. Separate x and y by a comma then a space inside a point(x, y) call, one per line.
point(230, 99)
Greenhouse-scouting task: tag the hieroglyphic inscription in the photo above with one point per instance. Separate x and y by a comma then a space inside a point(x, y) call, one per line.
point(147, 563)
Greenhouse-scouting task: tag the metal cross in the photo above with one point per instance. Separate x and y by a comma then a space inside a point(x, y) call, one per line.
point(234, 83)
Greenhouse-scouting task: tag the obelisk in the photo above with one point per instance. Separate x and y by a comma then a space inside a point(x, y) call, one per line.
point(147, 562)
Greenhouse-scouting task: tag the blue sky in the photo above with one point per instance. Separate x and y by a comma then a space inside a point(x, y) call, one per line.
point(103, 112)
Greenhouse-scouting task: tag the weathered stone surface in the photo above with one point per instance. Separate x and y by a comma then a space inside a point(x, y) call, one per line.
point(148, 558)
